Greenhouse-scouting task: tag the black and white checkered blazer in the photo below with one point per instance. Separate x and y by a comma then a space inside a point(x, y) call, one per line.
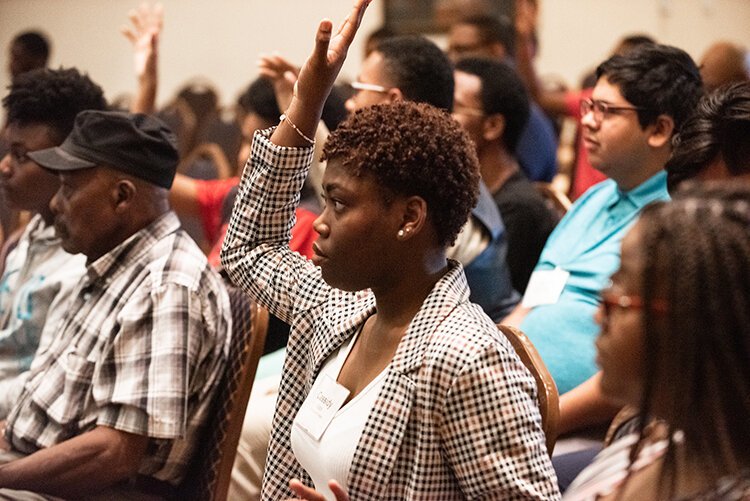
point(457, 416)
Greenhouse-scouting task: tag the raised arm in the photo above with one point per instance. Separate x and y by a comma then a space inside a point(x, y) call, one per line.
point(143, 32)
point(316, 79)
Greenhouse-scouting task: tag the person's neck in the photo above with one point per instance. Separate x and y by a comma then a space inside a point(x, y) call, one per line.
point(636, 177)
point(497, 166)
point(401, 300)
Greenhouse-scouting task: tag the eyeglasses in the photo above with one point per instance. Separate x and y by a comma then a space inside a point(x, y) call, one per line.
point(611, 300)
point(601, 109)
point(469, 112)
point(358, 86)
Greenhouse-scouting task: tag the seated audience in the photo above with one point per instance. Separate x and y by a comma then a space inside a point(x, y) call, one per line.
point(485, 36)
point(425, 398)
point(492, 106)
point(640, 100)
point(257, 109)
point(414, 69)
point(674, 344)
point(401, 68)
point(116, 402)
point(561, 102)
point(38, 274)
point(205, 198)
point(713, 144)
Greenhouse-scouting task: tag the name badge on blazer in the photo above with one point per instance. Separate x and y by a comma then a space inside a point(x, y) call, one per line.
point(545, 287)
point(325, 399)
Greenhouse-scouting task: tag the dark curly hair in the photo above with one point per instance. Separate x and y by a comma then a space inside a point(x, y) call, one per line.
point(719, 128)
point(419, 69)
point(658, 79)
point(53, 98)
point(413, 149)
point(260, 98)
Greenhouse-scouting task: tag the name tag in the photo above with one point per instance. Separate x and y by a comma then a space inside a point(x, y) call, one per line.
point(545, 287)
point(320, 406)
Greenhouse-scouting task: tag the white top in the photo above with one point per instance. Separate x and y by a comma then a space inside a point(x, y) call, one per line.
point(34, 289)
point(611, 467)
point(330, 458)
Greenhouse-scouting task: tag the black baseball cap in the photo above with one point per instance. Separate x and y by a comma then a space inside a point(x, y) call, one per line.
point(140, 145)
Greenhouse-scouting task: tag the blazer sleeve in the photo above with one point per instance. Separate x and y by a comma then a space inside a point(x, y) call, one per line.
point(256, 252)
point(492, 431)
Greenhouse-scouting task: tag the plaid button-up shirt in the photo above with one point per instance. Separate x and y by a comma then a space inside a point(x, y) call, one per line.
point(457, 416)
point(140, 349)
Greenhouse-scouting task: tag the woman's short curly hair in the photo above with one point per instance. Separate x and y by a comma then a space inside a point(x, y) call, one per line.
point(413, 149)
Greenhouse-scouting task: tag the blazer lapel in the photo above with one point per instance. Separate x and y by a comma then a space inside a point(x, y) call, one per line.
point(385, 429)
point(336, 325)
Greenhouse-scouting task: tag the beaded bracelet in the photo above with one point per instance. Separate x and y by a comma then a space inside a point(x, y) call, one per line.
point(301, 134)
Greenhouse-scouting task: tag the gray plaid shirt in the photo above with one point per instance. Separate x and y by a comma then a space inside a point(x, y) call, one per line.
point(457, 416)
point(140, 349)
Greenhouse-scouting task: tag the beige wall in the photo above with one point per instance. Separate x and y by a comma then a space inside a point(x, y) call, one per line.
point(577, 34)
point(221, 39)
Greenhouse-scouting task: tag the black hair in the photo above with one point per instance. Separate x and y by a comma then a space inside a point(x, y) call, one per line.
point(412, 149)
point(502, 92)
point(53, 98)
point(34, 44)
point(696, 252)
point(260, 98)
point(419, 69)
point(658, 79)
point(719, 129)
point(494, 30)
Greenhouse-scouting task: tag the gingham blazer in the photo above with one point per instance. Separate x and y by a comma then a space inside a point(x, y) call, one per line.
point(457, 416)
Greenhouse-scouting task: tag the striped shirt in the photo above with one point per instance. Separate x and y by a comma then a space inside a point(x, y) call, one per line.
point(140, 350)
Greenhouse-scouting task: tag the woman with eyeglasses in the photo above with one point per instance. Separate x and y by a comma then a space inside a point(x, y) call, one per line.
point(394, 386)
point(675, 344)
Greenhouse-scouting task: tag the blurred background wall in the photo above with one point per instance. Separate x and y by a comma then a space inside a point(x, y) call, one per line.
point(221, 39)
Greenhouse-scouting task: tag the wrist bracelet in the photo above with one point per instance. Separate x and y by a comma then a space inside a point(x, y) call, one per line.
point(301, 134)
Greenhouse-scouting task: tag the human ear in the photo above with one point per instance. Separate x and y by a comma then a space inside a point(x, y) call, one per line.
point(661, 131)
point(414, 217)
point(493, 127)
point(123, 194)
point(394, 94)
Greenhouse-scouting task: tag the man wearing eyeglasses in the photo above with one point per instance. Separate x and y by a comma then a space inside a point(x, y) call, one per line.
point(640, 100)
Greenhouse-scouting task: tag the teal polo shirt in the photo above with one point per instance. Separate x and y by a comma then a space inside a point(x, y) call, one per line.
point(586, 243)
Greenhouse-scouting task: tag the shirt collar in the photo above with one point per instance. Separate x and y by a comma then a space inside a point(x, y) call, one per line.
point(133, 247)
point(654, 188)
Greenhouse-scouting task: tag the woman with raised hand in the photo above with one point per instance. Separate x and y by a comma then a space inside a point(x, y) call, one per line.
point(675, 344)
point(395, 386)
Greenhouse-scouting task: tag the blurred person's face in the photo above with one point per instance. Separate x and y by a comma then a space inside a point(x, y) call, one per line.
point(250, 123)
point(373, 74)
point(616, 144)
point(27, 185)
point(620, 345)
point(19, 61)
point(357, 231)
point(86, 212)
point(467, 106)
point(464, 40)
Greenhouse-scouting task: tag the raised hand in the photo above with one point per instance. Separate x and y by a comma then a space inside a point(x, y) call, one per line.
point(283, 74)
point(143, 32)
point(316, 79)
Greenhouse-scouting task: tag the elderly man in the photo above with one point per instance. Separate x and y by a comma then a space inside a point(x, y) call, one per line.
point(113, 406)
